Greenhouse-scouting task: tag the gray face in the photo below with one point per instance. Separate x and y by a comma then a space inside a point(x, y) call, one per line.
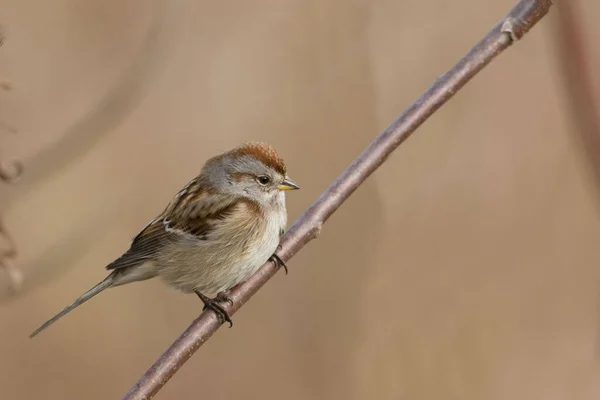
point(247, 177)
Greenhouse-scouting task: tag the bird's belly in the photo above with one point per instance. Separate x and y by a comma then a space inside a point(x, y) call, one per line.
point(210, 269)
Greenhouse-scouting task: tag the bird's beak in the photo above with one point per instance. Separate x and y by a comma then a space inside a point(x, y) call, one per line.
point(288, 184)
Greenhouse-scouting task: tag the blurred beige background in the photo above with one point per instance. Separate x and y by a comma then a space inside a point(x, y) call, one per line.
point(466, 268)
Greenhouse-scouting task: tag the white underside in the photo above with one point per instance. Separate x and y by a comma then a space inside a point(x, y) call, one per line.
point(216, 265)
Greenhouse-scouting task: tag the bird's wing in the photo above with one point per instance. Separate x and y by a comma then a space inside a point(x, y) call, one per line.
point(191, 215)
point(144, 246)
point(195, 211)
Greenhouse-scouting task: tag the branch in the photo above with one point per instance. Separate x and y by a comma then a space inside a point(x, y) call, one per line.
point(576, 64)
point(518, 22)
point(9, 174)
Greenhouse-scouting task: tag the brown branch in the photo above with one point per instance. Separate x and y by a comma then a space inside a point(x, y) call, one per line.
point(521, 18)
point(9, 174)
point(7, 255)
point(574, 60)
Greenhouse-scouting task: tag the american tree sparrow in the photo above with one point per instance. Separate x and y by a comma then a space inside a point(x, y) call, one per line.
point(214, 234)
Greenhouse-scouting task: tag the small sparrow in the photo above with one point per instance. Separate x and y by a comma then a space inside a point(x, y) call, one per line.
point(215, 233)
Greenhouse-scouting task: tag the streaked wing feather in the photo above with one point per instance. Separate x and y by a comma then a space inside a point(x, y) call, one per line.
point(144, 246)
point(193, 213)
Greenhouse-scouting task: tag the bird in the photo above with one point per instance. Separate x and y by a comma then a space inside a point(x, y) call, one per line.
point(213, 235)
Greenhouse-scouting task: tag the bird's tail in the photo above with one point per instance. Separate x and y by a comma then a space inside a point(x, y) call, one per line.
point(105, 284)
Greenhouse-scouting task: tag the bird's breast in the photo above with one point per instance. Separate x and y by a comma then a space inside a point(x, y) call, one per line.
point(225, 259)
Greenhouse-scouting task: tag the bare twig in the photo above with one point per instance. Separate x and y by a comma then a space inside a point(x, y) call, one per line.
point(5, 84)
point(574, 59)
point(521, 18)
point(9, 174)
point(7, 255)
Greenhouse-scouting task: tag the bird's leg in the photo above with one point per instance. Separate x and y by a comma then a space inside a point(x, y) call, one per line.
point(213, 304)
point(278, 261)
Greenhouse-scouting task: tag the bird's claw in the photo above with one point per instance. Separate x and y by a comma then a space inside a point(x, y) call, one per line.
point(278, 262)
point(213, 304)
point(222, 296)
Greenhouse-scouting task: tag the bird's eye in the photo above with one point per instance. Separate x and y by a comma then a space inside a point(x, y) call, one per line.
point(263, 179)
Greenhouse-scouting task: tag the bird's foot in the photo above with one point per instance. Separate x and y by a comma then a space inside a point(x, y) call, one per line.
point(222, 297)
point(213, 304)
point(278, 261)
